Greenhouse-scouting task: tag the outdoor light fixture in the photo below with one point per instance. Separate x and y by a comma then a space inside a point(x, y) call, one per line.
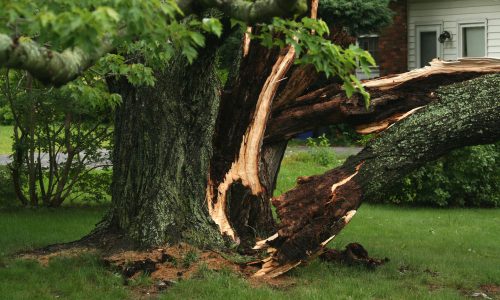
point(445, 36)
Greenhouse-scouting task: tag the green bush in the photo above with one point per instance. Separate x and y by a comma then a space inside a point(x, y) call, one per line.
point(320, 150)
point(93, 188)
point(6, 117)
point(58, 138)
point(467, 177)
point(359, 16)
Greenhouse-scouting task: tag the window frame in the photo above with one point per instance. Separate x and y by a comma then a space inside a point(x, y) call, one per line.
point(427, 27)
point(369, 36)
point(374, 70)
point(468, 24)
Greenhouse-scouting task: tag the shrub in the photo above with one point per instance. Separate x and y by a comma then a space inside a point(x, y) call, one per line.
point(467, 177)
point(359, 16)
point(58, 139)
point(94, 187)
point(320, 150)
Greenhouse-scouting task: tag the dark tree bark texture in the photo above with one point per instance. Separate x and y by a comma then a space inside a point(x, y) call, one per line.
point(163, 146)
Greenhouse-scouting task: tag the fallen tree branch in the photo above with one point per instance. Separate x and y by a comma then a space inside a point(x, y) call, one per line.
point(311, 214)
point(353, 254)
point(391, 98)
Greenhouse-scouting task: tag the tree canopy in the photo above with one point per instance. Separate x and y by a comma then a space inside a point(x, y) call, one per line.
point(359, 16)
point(58, 40)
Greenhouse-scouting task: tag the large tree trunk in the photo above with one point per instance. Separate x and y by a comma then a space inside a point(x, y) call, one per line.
point(163, 146)
point(320, 206)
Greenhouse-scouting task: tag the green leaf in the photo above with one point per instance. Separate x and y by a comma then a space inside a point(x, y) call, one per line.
point(212, 25)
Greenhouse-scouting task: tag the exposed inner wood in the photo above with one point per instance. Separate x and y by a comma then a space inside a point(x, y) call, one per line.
point(314, 9)
point(246, 42)
point(246, 167)
point(345, 220)
point(463, 65)
point(271, 266)
point(344, 181)
point(244, 174)
point(263, 243)
point(379, 126)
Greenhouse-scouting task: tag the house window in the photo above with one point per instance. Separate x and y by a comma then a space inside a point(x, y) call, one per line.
point(473, 40)
point(369, 43)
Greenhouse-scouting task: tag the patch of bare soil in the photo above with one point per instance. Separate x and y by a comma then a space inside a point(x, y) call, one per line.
point(491, 288)
point(44, 257)
point(165, 266)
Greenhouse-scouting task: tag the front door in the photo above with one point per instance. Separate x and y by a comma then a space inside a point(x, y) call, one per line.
point(428, 46)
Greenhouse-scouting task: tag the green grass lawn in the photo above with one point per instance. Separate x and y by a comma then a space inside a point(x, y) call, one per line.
point(5, 139)
point(65, 278)
point(434, 253)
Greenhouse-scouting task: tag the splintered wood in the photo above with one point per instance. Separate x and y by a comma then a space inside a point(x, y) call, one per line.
point(272, 268)
point(380, 126)
point(246, 41)
point(246, 167)
point(464, 65)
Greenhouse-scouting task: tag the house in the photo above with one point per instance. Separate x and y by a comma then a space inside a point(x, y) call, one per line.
point(426, 29)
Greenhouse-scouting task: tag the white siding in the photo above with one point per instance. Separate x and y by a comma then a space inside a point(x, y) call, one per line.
point(449, 14)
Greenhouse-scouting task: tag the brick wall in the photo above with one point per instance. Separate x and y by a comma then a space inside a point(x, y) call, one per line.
point(393, 42)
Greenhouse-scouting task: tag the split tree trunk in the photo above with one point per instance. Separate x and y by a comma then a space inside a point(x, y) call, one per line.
point(320, 206)
point(249, 209)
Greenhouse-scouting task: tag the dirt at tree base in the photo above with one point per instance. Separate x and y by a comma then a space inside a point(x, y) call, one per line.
point(165, 266)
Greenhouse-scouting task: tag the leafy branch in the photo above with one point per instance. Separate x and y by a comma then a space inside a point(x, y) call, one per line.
point(307, 36)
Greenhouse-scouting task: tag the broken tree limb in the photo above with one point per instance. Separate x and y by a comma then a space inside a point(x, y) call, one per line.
point(465, 114)
point(391, 98)
point(437, 67)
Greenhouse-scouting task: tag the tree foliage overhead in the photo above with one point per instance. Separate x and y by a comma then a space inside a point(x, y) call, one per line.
point(75, 35)
point(56, 40)
point(359, 16)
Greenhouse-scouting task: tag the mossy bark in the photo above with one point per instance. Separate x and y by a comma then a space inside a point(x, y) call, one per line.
point(163, 146)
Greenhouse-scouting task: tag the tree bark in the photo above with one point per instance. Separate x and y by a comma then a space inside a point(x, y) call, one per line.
point(320, 206)
point(163, 146)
